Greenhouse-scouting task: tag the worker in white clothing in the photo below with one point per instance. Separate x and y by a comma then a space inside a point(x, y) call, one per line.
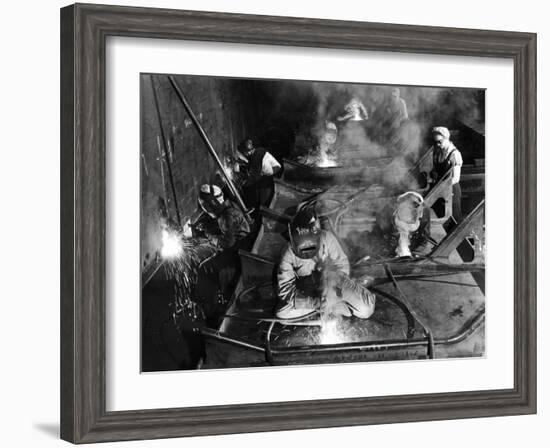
point(313, 274)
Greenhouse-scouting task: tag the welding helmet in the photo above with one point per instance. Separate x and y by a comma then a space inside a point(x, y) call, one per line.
point(211, 199)
point(305, 234)
point(410, 208)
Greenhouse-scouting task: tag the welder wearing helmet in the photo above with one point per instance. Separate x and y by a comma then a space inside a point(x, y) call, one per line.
point(232, 224)
point(311, 268)
point(403, 226)
point(219, 274)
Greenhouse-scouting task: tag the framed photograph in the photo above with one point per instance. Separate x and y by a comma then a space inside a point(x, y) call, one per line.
point(274, 223)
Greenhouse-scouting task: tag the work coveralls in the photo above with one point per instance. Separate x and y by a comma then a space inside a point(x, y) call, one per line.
point(303, 283)
point(220, 273)
point(385, 234)
point(443, 161)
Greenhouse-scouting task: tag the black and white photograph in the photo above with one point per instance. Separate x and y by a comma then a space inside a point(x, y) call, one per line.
point(298, 222)
point(275, 224)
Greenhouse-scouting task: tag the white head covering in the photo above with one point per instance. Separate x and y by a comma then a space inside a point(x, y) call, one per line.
point(443, 131)
point(407, 218)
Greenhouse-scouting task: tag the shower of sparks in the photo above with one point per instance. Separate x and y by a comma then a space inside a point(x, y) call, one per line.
point(325, 162)
point(330, 333)
point(183, 256)
point(172, 246)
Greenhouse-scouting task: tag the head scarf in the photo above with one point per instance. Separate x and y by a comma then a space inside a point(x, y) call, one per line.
point(443, 131)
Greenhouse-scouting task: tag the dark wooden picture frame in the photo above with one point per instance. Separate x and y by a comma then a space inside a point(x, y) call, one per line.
point(84, 29)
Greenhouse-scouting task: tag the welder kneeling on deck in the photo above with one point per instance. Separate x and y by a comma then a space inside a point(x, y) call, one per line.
point(313, 274)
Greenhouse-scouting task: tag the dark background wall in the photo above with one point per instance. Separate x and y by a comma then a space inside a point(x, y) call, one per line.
point(227, 113)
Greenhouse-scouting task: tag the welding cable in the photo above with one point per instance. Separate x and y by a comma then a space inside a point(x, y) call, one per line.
point(408, 315)
point(339, 217)
point(297, 321)
point(268, 353)
point(249, 289)
point(425, 329)
point(467, 329)
point(316, 200)
point(289, 321)
point(340, 207)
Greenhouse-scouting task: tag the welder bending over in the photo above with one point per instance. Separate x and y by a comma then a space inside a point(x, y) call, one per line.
point(402, 227)
point(220, 273)
point(313, 274)
point(232, 226)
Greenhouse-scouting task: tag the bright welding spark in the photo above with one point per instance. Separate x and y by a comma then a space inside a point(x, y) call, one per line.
point(330, 334)
point(325, 161)
point(172, 247)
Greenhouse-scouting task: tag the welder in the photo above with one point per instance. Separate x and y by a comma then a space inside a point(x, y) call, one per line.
point(324, 152)
point(447, 157)
point(402, 227)
point(393, 115)
point(355, 111)
point(352, 130)
point(313, 274)
point(218, 275)
point(256, 168)
point(395, 109)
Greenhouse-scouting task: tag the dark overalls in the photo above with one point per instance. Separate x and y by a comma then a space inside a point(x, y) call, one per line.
point(441, 168)
point(258, 189)
point(219, 274)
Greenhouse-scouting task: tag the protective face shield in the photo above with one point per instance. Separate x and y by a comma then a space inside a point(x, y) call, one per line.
point(211, 199)
point(408, 213)
point(305, 234)
point(410, 208)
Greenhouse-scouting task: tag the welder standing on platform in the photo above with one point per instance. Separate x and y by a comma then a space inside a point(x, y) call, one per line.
point(446, 157)
point(256, 168)
point(313, 274)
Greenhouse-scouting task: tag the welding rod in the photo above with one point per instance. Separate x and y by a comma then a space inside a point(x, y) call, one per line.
point(209, 146)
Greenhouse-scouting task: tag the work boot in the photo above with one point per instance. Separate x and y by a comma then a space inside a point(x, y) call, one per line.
point(294, 309)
